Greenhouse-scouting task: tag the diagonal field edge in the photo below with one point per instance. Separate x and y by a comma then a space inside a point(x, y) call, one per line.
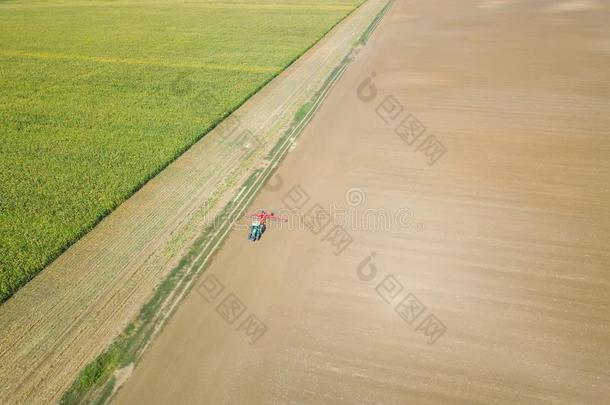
point(125, 287)
point(236, 208)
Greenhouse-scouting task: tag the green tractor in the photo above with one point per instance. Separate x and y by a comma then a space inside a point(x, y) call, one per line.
point(256, 231)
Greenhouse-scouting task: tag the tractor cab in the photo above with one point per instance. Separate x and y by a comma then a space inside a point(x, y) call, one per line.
point(256, 230)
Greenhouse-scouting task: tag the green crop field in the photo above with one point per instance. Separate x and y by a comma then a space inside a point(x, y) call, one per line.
point(96, 97)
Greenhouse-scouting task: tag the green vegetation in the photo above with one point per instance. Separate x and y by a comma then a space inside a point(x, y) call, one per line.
point(303, 111)
point(97, 96)
point(367, 33)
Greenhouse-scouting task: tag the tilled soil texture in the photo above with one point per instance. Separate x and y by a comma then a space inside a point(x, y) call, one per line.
point(489, 283)
point(77, 306)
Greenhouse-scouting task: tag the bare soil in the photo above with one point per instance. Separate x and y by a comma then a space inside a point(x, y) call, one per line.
point(512, 257)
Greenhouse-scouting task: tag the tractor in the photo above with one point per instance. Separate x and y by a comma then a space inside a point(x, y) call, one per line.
point(256, 231)
point(259, 226)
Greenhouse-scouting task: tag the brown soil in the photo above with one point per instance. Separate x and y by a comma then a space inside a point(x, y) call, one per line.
point(513, 258)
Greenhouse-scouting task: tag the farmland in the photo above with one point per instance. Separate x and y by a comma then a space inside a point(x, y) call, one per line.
point(97, 97)
point(511, 266)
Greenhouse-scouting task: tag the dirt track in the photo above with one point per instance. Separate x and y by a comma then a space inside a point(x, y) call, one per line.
point(513, 258)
